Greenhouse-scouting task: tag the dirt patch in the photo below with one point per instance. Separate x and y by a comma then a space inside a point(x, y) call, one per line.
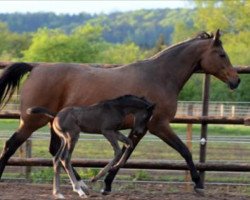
point(133, 191)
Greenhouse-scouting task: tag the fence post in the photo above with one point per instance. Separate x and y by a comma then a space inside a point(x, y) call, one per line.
point(222, 110)
point(233, 111)
point(21, 155)
point(28, 149)
point(189, 138)
point(203, 141)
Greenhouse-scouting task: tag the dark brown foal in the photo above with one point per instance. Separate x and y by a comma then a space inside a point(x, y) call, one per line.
point(106, 118)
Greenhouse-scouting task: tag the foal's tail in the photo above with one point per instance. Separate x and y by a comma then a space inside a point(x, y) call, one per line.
point(41, 110)
point(10, 80)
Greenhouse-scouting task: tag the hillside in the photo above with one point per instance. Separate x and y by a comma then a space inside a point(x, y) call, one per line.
point(142, 26)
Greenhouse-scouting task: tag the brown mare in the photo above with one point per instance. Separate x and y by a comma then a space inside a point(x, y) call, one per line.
point(159, 79)
point(105, 117)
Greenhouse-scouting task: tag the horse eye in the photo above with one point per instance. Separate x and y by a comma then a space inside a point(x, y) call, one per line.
point(222, 55)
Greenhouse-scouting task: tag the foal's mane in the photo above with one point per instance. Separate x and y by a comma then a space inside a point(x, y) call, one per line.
point(128, 100)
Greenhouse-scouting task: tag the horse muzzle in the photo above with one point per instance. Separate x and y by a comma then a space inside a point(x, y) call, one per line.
point(233, 84)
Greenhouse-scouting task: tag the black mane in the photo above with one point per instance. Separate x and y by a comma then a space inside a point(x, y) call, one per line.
point(129, 100)
point(204, 35)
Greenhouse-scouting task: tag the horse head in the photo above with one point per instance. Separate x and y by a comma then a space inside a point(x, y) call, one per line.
point(215, 61)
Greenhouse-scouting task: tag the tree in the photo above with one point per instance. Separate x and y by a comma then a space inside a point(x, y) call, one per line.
point(53, 45)
point(121, 54)
point(12, 44)
point(85, 45)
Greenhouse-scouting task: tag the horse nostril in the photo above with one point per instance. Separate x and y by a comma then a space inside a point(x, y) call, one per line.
point(234, 84)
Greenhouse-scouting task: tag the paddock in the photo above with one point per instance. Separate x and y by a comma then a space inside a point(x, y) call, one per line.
point(122, 191)
point(153, 190)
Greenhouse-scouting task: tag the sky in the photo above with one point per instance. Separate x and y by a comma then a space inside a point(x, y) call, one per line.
point(92, 7)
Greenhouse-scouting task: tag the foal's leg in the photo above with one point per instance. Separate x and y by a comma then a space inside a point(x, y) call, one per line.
point(65, 158)
point(164, 132)
point(129, 146)
point(55, 143)
point(57, 169)
point(111, 136)
point(111, 174)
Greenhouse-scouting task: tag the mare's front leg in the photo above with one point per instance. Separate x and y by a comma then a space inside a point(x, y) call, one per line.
point(111, 174)
point(163, 130)
point(55, 143)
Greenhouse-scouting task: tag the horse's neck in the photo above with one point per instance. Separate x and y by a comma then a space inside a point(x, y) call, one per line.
point(177, 64)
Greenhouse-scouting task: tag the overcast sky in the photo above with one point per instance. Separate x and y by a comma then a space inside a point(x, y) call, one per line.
point(74, 7)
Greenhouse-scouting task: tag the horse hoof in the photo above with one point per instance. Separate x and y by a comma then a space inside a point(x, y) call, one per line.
point(86, 191)
point(84, 187)
point(83, 196)
point(59, 196)
point(200, 191)
point(104, 192)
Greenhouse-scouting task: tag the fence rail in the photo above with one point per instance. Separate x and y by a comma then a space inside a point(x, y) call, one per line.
point(135, 164)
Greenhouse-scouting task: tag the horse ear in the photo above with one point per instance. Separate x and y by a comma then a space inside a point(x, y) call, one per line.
point(216, 38)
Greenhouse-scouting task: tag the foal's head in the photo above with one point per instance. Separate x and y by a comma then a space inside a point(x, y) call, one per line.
point(215, 60)
point(140, 108)
point(141, 119)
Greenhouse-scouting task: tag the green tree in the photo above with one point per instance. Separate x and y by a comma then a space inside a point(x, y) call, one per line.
point(12, 44)
point(83, 45)
point(121, 54)
point(182, 31)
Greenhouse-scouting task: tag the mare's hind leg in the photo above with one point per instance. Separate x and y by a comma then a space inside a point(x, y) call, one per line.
point(55, 143)
point(12, 144)
point(111, 174)
point(164, 132)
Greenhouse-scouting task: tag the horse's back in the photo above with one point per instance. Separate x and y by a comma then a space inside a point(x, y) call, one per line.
point(59, 85)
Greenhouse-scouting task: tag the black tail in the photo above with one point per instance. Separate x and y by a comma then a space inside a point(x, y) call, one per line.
point(10, 80)
point(41, 110)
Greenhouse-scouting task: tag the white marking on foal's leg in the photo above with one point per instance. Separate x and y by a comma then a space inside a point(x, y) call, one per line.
point(79, 191)
point(59, 196)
